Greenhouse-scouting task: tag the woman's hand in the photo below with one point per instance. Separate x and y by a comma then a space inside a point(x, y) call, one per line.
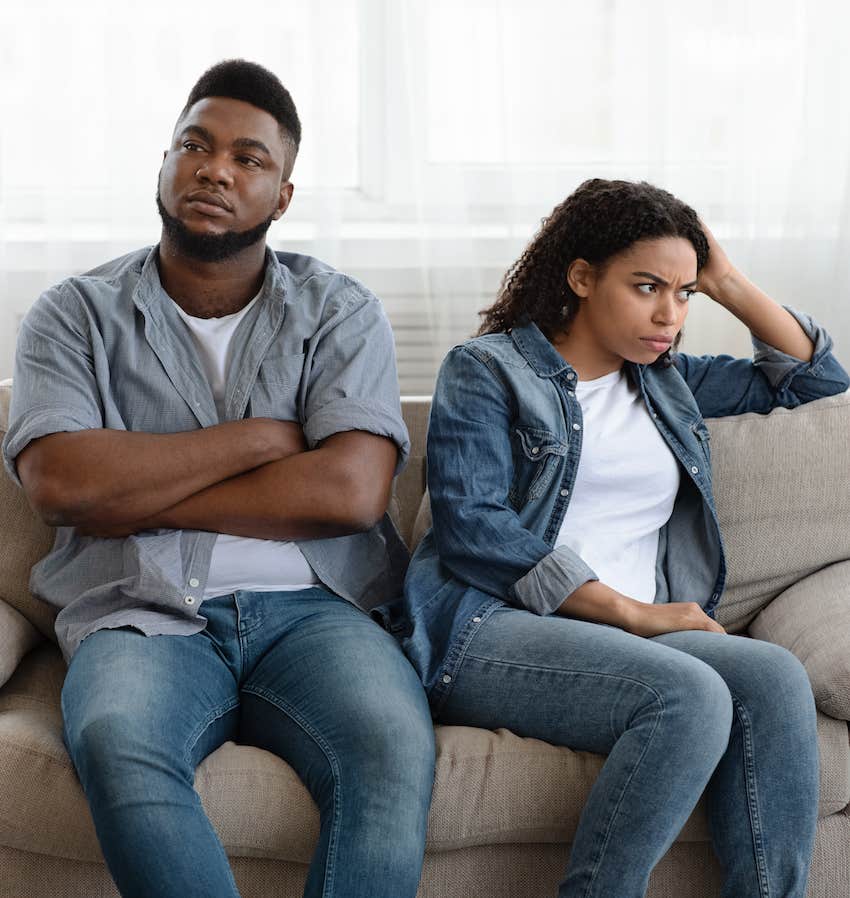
point(653, 620)
point(716, 270)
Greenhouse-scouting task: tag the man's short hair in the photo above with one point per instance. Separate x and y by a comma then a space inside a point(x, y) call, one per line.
point(239, 79)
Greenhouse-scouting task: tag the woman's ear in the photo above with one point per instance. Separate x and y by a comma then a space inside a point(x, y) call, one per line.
point(580, 276)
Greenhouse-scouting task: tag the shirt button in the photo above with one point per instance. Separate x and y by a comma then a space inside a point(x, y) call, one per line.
point(571, 375)
point(476, 620)
point(654, 415)
point(565, 492)
point(194, 582)
point(571, 394)
point(535, 450)
point(446, 678)
point(189, 600)
point(576, 426)
point(694, 470)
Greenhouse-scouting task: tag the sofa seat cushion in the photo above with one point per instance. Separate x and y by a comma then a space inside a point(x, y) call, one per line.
point(490, 787)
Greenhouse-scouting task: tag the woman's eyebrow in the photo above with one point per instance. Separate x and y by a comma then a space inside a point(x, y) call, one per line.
point(658, 280)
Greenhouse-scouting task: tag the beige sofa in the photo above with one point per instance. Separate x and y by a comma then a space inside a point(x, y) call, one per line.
point(504, 808)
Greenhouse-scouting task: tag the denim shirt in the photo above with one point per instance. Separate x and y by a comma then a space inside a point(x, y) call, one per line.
point(108, 349)
point(504, 444)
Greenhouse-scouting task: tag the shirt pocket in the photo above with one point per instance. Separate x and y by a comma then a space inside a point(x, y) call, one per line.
point(276, 393)
point(538, 455)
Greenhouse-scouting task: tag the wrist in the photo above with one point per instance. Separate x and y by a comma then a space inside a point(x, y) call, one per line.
point(727, 289)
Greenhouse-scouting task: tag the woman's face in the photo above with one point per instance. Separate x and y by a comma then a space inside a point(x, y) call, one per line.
point(633, 308)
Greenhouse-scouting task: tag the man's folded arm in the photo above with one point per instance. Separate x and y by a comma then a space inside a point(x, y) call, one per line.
point(341, 487)
point(100, 479)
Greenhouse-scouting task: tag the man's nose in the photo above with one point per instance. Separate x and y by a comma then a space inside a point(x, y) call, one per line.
point(216, 171)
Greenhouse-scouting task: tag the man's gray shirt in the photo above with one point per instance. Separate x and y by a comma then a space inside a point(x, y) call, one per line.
point(108, 349)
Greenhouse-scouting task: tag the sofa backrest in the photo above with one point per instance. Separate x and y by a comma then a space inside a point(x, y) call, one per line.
point(782, 484)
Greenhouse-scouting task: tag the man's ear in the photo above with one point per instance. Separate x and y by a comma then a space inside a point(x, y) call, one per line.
point(580, 277)
point(284, 199)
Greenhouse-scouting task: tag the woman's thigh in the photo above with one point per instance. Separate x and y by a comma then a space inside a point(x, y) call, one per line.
point(575, 683)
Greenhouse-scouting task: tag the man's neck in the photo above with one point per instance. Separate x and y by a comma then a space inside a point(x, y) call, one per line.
point(211, 289)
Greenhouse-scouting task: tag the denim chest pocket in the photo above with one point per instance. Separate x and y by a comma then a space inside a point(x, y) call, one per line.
point(537, 457)
point(276, 391)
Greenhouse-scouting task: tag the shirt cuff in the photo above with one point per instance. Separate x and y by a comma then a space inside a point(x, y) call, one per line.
point(543, 589)
point(778, 366)
point(36, 424)
point(355, 414)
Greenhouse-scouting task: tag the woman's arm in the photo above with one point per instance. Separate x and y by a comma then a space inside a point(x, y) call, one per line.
point(766, 319)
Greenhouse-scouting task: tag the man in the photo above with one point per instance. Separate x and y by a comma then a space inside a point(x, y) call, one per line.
point(214, 429)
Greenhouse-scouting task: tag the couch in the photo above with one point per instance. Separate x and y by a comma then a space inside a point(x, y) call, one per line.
point(504, 808)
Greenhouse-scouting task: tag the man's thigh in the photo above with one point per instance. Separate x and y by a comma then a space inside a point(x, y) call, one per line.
point(335, 684)
point(172, 694)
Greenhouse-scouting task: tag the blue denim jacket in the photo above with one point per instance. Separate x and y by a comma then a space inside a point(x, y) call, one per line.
point(504, 444)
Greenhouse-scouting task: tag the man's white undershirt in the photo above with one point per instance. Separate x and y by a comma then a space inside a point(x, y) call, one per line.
point(238, 562)
point(625, 487)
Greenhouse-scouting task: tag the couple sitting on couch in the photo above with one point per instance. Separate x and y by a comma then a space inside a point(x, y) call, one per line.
point(214, 429)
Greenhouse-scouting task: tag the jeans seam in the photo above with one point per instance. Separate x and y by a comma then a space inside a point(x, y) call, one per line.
point(327, 751)
point(752, 797)
point(615, 810)
point(212, 716)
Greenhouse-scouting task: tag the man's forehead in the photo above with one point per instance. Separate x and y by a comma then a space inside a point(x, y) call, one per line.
point(231, 121)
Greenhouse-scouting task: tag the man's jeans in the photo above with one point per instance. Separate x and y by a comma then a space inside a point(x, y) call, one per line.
point(676, 715)
point(304, 675)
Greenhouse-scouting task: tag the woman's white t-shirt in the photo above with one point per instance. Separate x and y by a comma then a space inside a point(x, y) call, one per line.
point(625, 487)
point(238, 562)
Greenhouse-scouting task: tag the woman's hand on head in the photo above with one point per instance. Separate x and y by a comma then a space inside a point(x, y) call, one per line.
point(716, 270)
point(653, 620)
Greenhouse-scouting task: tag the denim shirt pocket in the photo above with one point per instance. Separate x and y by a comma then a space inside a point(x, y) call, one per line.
point(537, 453)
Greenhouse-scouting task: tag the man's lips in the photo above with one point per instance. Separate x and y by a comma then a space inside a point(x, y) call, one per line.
point(209, 203)
point(658, 342)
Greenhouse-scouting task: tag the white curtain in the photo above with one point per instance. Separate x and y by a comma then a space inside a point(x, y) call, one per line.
point(437, 134)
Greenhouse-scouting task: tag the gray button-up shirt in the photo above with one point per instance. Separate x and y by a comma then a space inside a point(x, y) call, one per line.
point(108, 350)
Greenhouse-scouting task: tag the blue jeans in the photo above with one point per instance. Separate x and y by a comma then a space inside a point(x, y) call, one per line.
point(304, 675)
point(676, 715)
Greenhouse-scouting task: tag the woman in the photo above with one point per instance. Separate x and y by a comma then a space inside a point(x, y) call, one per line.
point(567, 588)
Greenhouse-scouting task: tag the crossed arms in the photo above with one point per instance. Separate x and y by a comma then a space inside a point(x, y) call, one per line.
point(253, 477)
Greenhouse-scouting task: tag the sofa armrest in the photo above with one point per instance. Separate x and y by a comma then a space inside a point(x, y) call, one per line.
point(812, 620)
point(17, 637)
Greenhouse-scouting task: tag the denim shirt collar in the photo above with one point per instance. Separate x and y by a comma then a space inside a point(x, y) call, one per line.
point(536, 349)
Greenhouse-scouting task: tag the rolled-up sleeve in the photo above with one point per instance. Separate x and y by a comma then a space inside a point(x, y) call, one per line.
point(54, 386)
point(478, 536)
point(723, 385)
point(353, 380)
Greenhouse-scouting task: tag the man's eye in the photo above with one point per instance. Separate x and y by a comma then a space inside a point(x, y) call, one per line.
point(249, 161)
point(191, 145)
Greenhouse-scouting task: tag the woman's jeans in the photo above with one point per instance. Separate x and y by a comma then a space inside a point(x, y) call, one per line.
point(304, 675)
point(676, 715)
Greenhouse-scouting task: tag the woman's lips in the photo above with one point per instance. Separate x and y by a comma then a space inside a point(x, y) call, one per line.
point(657, 345)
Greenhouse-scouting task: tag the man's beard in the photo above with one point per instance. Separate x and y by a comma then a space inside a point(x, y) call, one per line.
point(209, 247)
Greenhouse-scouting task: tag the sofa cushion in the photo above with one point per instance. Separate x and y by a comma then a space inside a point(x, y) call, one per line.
point(812, 620)
point(490, 787)
point(25, 540)
point(782, 485)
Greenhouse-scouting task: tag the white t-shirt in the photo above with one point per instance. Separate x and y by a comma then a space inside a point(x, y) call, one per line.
point(238, 562)
point(625, 487)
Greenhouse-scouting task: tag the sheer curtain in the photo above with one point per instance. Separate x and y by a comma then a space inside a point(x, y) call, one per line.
point(438, 133)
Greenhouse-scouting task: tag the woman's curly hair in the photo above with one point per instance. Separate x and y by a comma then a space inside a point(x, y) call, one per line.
point(596, 222)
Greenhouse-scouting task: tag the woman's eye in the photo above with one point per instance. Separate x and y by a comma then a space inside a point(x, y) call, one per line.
point(646, 288)
point(685, 295)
